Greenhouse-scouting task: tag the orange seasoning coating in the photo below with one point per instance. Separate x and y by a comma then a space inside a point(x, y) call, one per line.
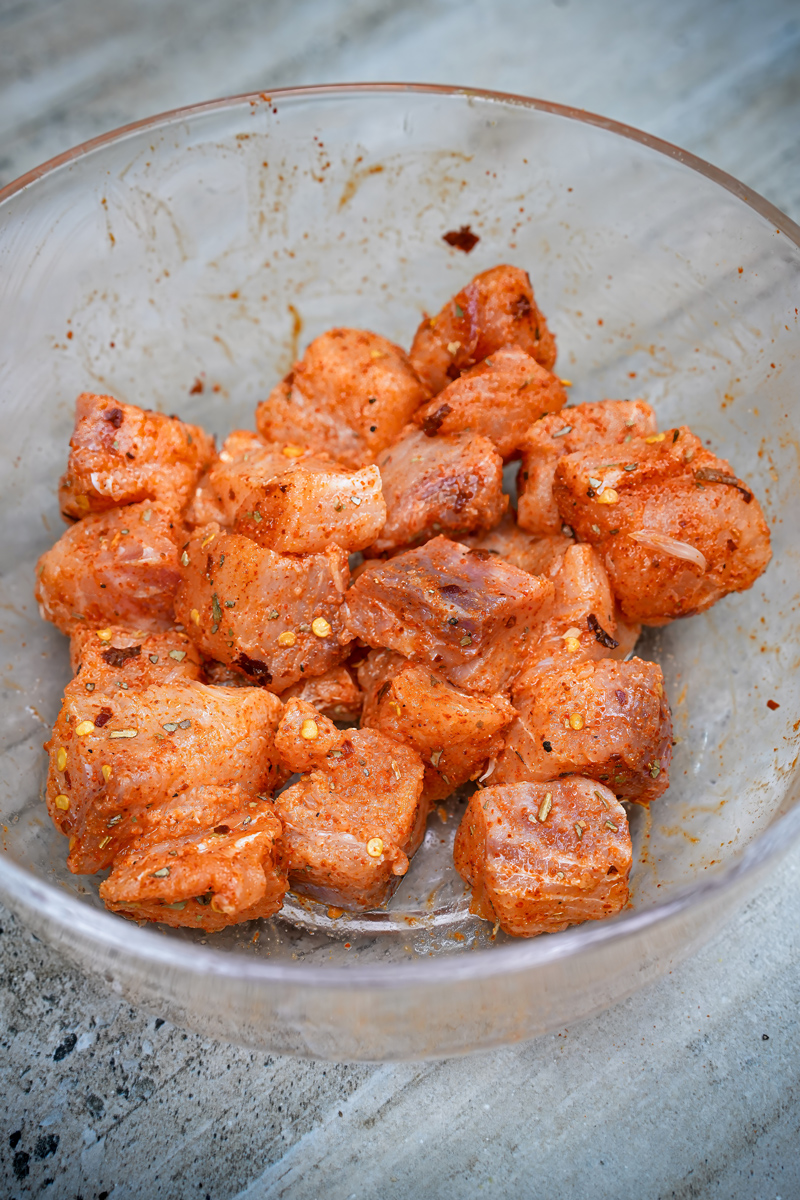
point(536, 555)
point(119, 566)
point(455, 733)
point(603, 719)
point(335, 694)
point(356, 816)
point(311, 505)
point(448, 484)
point(466, 613)
point(244, 460)
point(117, 760)
point(497, 308)
point(211, 857)
point(255, 610)
point(543, 856)
point(349, 396)
point(113, 658)
point(581, 619)
point(606, 423)
point(675, 528)
point(498, 398)
point(121, 454)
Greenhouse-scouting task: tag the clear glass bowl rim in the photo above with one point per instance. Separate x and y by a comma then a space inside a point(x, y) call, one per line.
point(24, 891)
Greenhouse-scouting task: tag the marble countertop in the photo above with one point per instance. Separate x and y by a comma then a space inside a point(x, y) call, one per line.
point(689, 1088)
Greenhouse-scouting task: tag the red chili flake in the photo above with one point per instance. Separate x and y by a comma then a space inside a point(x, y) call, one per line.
point(114, 417)
point(253, 667)
point(605, 639)
point(196, 387)
point(773, 704)
point(117, 657)
point(432, 424)
point(102, 718)
point(461, 239)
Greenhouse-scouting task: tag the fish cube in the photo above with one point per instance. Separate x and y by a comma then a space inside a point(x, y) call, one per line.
point(608, 423)
point(349, 396)
point(469, 615)
point(498, 398)
point(674, 526)
point(495, 309)
point(603, 719)
point(111, 568)
point(581, 620)
point(121, 454)
point(454, 733)
point(245, 459)
point(543, 856)
point(356, 818)
point(309, 506)
point(207, 858)
point(114, 758)
point(449, 484)
point(274, 617)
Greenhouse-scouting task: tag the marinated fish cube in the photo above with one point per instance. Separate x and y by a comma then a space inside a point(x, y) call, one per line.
point(207, 858)
point(607, 720)
point(105, 660)
point(675, 528)
point(607, 423)
point(121, 454)
point(498, 398)
point(496, 309)
point(454, 733)
point(350, 395)
point(309, 506)
point(274, 617)
point(543, 856)
point(353, 822)
point(470, 615)
point(439, 485)
point(244, 460)
point(581, 621)
point(113, 759)
point(118, 567)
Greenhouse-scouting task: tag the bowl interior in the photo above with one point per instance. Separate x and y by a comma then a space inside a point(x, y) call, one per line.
point(211, 246)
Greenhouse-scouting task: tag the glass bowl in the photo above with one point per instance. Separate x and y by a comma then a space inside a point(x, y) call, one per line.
point(180, 263)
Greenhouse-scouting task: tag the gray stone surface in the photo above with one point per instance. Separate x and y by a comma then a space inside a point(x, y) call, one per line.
point(690, 1088)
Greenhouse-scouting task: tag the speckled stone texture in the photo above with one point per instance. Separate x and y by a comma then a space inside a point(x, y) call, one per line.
point(689, 1089)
